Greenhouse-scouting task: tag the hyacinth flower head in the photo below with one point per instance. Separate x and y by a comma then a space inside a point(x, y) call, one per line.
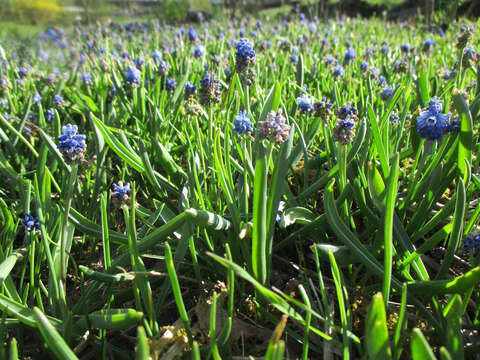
point(156, 56)
point(464, 36)
point(37, 98)
point(162, 68)
point(405, 47)
point(432, 123)
point(304, 104)
point(349, 56)
point(337, 71)
point(198, 51)
point(121, 193)
point(190, 90)
point(133, 76)
point(363, 66)
point(86, 78)
point(243, 125)
point(428, 45)
point(386, 93)
point(274, 127)
point(192, 34)
point(31, 223)
point(58, 100)
point(344, 130)
point(244, 54)
point(471, 244)
point(170, 84)
point(71, 144)
point(210, 89)
point(139, 61)
point(50, 115)
point(323, 108)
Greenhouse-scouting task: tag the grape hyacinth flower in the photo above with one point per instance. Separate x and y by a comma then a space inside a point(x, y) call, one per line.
point(281, 209)
point(349, 56)
point(428, 45)
point(121, 193)
point(243, 125)
point(244, 55)
point(71, 144)
point(156, 56)
point(170, 84)
point(343, 131)
point(198, 51)
point(323, 108)
point(337, 71)
point(405, 47)
point(190, 90)
point(163, 68)
point(386, 93)
point(471, 244)
point(133, 76)
point(50, 115)
point(192, 34)
point(394, 117)
point(58, 100)
point(139, 61)
point(453, 126)
point(36, 98)
point(275, 127)
point(432, 123)
point(86, 78)
point(31, 223)
point(464, 36)
point(304, 104)
point(210, 89)
point(348, 111)
point(363, 66)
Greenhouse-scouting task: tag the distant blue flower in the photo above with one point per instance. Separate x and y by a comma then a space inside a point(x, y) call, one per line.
point(385, 48)
point(428, 45)
point(190, 89)
point(170, 84)
point(347, 111)
point(4, 103)
point(31, 223)
point(86, 78)
point(198, 51)
point(7, 116)
point(50, 115)
point(346, 124)
point(125, 54)
point(71, 144)
point(163, 68)
point(329, 59)
point(37, 98)
point(337, 71)
point(394, 118)
point(156, 56)
point(133, 76)
point(58, 100)
point(139, 61)
point(121, 193)
point(432, 123)
point(192, 34)
point(363, 66)
point(304, 104)
point(112, 91)
point(386, 93)
point(440, 32)
point(382, 81)
point(349, 56)
point(293, 58)
point(405, 47)
point(471, 244)
point(242, 123)
point(22, 72)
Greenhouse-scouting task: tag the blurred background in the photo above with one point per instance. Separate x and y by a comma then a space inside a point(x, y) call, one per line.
point(26, 17)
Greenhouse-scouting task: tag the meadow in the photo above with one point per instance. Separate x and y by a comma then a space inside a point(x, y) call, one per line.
point(265, 188)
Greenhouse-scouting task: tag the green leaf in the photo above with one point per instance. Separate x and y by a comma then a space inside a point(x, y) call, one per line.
point(465, 145)
point(6, 267)
point(421, 350)
point(376, 331)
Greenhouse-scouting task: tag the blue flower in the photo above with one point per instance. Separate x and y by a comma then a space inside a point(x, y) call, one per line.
point(394, 117)
point(4, 103)
point(242, 123)
point(192, 34)
point(347, 111)
point(121, 193)
point(71, 144)
point(386, 93)
point(22, 72)
point(198, 51)
point(349, 56)
point(50, 115)
point(346, 124)
point(58, 100)
point(156, 56)
point(31, 223)
point(471, 244)
point(190, 89)
point(37, 98)
point(385, 48)
point(86, 78)
point(428, 45)
point(280, 210)
point(294, 58)
point(170, 84)
point(405, 47)
point(453, 126)
point(139, 61)
point(133, 76)
point(163, 68)
point(304, 104)
point(432, 123)
point(245, 54)
point(337, 71)
point(363, 66)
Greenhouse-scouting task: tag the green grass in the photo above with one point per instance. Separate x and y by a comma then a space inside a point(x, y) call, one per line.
point(280, 211)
